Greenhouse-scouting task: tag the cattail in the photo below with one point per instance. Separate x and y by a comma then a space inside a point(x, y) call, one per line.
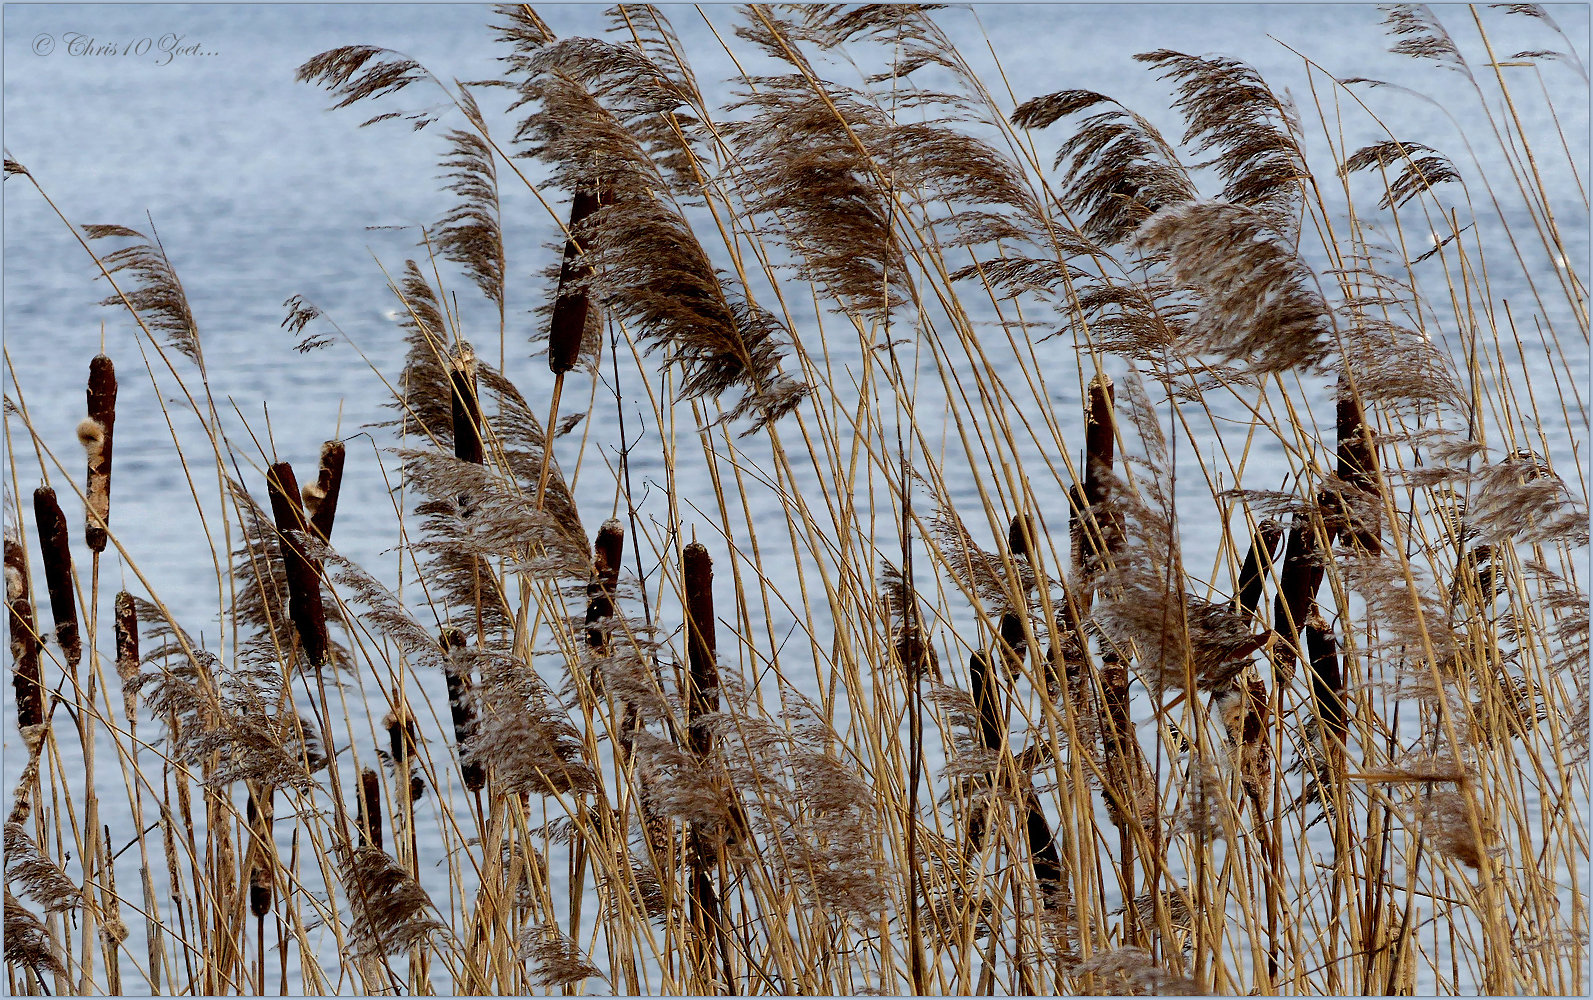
point(1012, 643)
point(1103, 532)
point(96, 433)
point(460, 706)
point(262, 880)
point(26, 676)
point(1327, 683)
point(127, 654)
point(987, 703)
point(572, 306)
point(1297, 586)
point(55, 548)
point(1258, 561)
point(607, 550)
point(1357, 466)
point(368, 815)
point(1044, 858)
point(304, 578)
point(703, 698)
point(468, 445)
point(402, 735)
point(1021, 537)
point(320, 497)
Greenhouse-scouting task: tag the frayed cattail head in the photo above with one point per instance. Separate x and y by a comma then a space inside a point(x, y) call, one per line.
point(607, 550)
point(55, 548)
point(1357, 466)
point(127, 653)
point(26, 676)
point(369, 809)
point(304, 578)
point(320, 497)
point(1327, 683)
point(96, 434)
point(572, 308)
point(460, 705)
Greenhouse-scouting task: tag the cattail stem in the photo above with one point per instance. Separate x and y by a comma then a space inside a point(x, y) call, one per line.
point(55, 549)
point(26, 678)
point(96, 434)
point(304, 577)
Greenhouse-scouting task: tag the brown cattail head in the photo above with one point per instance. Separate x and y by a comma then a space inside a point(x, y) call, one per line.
point(1357, 467)
point(55, 548)
point(468, 443)
point(460, 705)
point(987, 703)
point(304, 578)
point(1258, 561)
point(1012, 644)
point(26, 676)
point(96, 434)
point(369, 809)
point(572, 307)
point(127, 653)
point(698, 571)
point(1044, 858)
point(1099, 443)
point(402, 735)
point(1021, 536)
point(262, 879)
point(1327, 683)
point(320, 497)
point(607, 550)
point(1298, 582)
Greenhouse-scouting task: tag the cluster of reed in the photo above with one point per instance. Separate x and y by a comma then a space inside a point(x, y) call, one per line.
point(786, 724)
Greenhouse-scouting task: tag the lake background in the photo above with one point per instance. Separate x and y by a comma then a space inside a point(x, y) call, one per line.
point(259, 193)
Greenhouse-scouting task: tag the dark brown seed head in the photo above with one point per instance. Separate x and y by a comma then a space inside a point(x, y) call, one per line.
point(97, 442)
point(127, 653)
point(572, 307)
point(1021, 537)
point(320, 497)
point(26, 676)
point(700, 645)
point(468, 444)
point(369, 813)
point(304, 578)
point(1258, 562)
point(55, 549)
point(460, 705)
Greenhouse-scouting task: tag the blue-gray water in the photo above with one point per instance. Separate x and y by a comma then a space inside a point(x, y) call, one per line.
point(188, 117)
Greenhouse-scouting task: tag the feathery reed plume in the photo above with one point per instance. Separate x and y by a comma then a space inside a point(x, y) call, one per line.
point(28, 944)
point(914, 653)
point(461, 705)
point(1132, 972)
point(522, 732)
point(356, 73)
point(303, 574)
point(702, 696)
point(1357, 466)
point(55, 550)
point(1420, 169)
point(368, 809)
point(127, 654)
point(1258, 563)
point(159, 299)
point(568, 330)
point(471, 234)
point(320, 497)
point(555, 959)
point(1254, 132)
point(26, 676)
point(392, 913)
point(1120, 169)
point(402, 734)
point(1258, 303)
point(41, 879)
point(96, 433)
point(260, 814)
point(468, 446)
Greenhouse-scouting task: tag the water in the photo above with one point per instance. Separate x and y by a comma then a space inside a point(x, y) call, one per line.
point(258, 193)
